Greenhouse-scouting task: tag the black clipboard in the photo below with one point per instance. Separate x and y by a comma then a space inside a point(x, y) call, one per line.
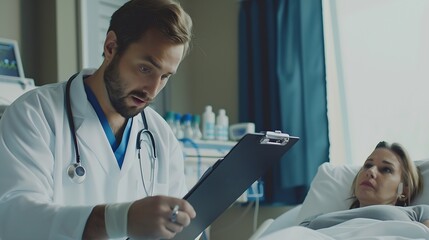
point(224, 182)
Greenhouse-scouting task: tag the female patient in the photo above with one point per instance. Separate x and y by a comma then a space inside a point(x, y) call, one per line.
point(382, 189)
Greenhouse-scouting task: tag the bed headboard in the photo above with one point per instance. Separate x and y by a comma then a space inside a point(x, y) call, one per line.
point(330, 189)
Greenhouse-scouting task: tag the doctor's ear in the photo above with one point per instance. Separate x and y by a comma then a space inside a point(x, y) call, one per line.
point(110, 45)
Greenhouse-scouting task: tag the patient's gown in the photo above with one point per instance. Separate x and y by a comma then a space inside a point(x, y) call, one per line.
point(419, 213)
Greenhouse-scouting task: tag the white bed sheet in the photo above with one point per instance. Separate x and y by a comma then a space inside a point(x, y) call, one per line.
point(356, 229)
point(329, 192)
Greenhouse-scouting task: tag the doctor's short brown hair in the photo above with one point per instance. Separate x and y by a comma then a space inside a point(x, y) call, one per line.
point(135, 17)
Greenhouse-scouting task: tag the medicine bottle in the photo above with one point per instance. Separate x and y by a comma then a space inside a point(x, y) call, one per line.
point(208, 123)
point(222, 124)
point(178, 126)
point(196, 127)
point(170, 118)
point(188, 132)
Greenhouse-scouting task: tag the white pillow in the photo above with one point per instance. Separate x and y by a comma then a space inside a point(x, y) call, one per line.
point(424, 169)
point(330, 189)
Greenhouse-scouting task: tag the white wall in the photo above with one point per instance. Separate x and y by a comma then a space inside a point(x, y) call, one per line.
point(9, 19)
point(378, 71)
point(209, 75)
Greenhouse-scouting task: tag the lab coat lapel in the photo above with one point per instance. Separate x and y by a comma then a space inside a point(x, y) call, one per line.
point(131, 158)
point(89, 131)
point(92, 136)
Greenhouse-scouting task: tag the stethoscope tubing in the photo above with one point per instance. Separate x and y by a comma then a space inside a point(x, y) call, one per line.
point(77, 172)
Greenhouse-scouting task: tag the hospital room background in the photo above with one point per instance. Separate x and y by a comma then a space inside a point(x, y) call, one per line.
point(341, 75)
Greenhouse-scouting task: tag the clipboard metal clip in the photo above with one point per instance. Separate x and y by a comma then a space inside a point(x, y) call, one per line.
point(275, 138)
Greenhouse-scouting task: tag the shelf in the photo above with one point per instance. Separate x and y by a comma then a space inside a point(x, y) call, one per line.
point(203, 148)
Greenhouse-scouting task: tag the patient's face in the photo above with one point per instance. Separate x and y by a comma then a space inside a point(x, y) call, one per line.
point(378, 180)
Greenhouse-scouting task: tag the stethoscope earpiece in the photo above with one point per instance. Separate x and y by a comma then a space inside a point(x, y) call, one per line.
point(76, 172)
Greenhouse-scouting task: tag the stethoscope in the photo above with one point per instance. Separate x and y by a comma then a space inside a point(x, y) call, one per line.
point(77, 172)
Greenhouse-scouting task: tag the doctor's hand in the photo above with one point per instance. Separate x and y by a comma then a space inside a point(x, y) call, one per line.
point(156, 217)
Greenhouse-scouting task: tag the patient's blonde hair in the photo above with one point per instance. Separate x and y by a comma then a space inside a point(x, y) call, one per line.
point(411, 176)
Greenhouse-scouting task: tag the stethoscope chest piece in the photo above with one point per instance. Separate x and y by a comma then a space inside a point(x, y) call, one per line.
point(76, 172)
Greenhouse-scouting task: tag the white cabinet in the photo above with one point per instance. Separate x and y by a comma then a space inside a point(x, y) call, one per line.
point(200, 155)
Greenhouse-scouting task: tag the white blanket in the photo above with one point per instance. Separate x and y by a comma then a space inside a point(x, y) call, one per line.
point(356, 229)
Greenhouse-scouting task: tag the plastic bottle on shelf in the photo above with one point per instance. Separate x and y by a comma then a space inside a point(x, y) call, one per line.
point(222, 124)
point(196, 127)
point(187, 126)
point(178, 126)
point(208, 123)
point(170, 118)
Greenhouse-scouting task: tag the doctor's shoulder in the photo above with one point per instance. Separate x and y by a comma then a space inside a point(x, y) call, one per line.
point(40, 100)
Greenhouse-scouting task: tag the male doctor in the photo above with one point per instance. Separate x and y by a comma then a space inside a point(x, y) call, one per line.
point(87, 158)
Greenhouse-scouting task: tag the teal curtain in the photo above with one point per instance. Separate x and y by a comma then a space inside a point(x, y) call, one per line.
point(283, 87)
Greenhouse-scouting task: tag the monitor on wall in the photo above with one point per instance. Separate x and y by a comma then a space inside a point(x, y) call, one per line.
point(13, 83)
point(10, 59)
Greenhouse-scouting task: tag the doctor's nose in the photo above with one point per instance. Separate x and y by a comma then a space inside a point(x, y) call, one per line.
point(153, 85)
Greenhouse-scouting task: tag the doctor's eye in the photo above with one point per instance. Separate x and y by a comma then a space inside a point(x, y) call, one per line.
point(144, 69)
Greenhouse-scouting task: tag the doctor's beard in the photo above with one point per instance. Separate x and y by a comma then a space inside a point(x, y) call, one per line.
point(116, 91)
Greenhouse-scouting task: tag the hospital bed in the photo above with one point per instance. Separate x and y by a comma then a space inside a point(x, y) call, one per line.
point(329, 192)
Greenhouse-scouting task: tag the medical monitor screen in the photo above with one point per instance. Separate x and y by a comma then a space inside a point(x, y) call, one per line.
point(8, 60)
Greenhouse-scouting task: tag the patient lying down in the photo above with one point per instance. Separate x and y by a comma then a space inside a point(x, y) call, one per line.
point(383, 187)
point(382, 191)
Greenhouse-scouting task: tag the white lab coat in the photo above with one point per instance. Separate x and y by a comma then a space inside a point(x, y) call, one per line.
point(37, 198)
